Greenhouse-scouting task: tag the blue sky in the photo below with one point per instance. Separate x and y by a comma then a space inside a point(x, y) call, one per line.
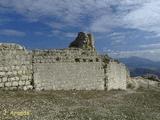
point(122, 28)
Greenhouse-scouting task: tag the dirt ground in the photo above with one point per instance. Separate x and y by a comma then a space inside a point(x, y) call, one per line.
point(80, 105)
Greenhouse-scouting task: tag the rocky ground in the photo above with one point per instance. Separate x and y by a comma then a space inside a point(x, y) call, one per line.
point(80, 105)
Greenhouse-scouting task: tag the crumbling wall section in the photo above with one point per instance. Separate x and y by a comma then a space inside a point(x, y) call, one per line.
point(67, 69)
point(117, 75)
point(15, 67)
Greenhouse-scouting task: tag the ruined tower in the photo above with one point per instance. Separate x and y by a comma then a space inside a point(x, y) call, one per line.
point(83, 41)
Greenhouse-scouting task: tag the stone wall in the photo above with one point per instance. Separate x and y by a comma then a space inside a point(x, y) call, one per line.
point(117, 75)
point(68, 69)
point(15, 67)
point(62, 69)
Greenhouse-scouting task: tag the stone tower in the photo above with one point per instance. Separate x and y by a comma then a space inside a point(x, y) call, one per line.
point(84, 41)
point(90, 41)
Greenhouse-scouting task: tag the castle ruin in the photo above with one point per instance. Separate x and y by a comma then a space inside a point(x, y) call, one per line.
point(78, 67)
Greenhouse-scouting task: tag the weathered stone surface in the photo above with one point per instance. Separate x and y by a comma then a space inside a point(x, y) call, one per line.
point(117, 75)
point(21, 83)
point(67, 76)
point(8, 84)
point(27, 83)
point(1, 85)
point(14, 65)
point(84, 41)
point(2, 73)
point(4, 79)
point(15, 83)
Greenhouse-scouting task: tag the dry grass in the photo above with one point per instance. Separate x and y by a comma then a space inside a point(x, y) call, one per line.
point(80, 105)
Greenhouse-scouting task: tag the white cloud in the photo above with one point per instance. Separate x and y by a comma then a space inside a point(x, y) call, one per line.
point(150, 46)
point(102, 15)
point(105, 23)
point(63, 34)
point(146, 18)
point(39, 33)
point(11, 32)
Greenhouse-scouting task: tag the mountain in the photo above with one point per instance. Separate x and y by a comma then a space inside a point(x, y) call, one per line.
point(140, 66)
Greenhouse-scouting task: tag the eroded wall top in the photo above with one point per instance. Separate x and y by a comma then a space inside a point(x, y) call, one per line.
point(83, 41)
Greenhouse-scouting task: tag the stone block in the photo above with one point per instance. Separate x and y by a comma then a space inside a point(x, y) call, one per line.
point(17, 78)
point(20, 87)
point(8, 84)
point(23, 72)
point(28, 87)
point(4, 79)
point(21, 83)
point(17, 67)
point(1, 68)
point(14, 72)
point(9, 73)
point(27, 83)
point(13, 67)
point(30, 77)
point(5, 69)
point(24, 77)
point(1, 85)
point(15, 83)
point(12, 88)
point(12, 79)
point(20, 72)
point(2, 73)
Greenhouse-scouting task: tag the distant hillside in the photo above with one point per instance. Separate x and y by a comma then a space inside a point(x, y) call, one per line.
point(140, 66)
point(143, 71)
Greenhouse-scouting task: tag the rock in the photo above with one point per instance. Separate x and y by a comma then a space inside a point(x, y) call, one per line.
point(21, 83)
point(29, 87)
point(6, 46)
point(27, 83)
point(1, 85)
point(4, 79)
point(15, 84)
point(8, 84)
point(25, 88)
point(2, 73)
point(84, 41)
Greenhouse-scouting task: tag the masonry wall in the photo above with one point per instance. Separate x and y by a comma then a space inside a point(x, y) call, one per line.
point(15, 67)
point(117, 75)
point(80, 70)
point(62, 69)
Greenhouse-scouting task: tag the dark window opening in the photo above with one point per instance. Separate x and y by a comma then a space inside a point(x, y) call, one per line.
point(90, 60)
point(77, 60)
point(97, 60)
point(84, 60)
point(58, 59)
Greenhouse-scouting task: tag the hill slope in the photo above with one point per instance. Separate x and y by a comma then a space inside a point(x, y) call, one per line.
point(140, 66)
